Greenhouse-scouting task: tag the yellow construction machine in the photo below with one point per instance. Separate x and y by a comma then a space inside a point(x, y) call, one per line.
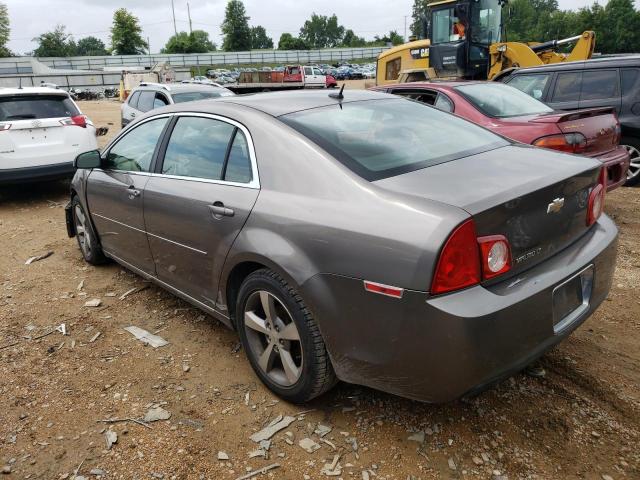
point(465, 39)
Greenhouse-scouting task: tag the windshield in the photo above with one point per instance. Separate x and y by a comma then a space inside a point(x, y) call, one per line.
point(485, 21)
point(499, 100)
point(193, 96)
point(377, 139)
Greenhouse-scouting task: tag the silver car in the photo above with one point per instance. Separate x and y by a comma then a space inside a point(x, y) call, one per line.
point(360, 237)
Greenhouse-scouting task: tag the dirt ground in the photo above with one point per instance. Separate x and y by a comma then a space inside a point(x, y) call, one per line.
point(580, 421)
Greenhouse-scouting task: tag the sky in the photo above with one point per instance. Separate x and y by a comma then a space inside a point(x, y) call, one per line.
point(30, 18)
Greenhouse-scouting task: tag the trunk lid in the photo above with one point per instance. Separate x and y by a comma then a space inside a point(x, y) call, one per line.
point(600, 127)
point(536, 198)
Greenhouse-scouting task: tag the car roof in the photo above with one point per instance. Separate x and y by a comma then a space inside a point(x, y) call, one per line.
point(447, 84)
point(33, 91)
point(289, 101)
point(605, 61)
point(177, 87)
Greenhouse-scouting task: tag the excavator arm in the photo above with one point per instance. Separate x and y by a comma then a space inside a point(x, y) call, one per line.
point(509, 55)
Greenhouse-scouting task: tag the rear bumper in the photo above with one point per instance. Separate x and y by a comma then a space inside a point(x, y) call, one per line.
point(617, 164)
point(36, 174)
point(437, 349)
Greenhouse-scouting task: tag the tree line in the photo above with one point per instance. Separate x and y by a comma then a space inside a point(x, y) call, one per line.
point(616, 23)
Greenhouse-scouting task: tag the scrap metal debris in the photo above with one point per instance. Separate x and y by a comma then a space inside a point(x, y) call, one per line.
point(38, 258)
point(155, 414)
point(147, 337)
point(95, 302)
point(260, 471)
point(272, 429)
point(110, 437)
point(309, 445)
point(133, 290)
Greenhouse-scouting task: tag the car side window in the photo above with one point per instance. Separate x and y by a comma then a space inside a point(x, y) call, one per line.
point(197, 148)
point(160, 101)
point(308, 71)
point(145, 102)
point(567, 87)
point(599, 84)
point(134, 151)
point(532, 85)
point(443, 103)
point(133, 100)
point(316, 71)
point(629, 79)
point(392, 69)
point(239, 163)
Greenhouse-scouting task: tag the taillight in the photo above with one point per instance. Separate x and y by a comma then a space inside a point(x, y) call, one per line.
point(568, 143)
point(4, 127)
point(596, 198)
point(467, 259)
point(76, 120)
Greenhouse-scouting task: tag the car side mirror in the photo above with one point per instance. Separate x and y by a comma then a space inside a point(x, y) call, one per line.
point(88, 160)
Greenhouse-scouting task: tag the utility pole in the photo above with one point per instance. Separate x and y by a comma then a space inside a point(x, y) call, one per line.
point(173, 9)
point(189, 13)
point(405, 27)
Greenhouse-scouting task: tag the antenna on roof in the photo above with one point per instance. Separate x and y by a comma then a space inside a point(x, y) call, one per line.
point(338, 95)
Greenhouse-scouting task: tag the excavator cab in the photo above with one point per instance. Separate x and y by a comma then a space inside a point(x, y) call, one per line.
point(461, 32)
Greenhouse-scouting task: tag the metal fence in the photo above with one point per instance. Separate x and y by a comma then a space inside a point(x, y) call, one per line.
point(21, 65)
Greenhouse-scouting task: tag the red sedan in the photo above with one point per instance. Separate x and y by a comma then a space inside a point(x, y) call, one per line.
point(509, 112)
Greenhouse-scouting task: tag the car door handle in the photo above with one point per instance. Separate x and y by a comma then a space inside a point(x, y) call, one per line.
point(218, 210)
point(133, 115)
point(133, 193)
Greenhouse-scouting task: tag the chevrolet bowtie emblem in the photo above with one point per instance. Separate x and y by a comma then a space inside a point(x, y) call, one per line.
point(555, 206)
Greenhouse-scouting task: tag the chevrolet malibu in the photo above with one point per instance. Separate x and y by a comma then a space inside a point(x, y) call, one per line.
point(361, 237)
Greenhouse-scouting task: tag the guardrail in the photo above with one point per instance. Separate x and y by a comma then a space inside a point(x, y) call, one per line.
point(22, 65)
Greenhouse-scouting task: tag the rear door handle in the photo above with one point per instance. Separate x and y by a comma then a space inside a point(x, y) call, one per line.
point(218, 210)
point(133, 193)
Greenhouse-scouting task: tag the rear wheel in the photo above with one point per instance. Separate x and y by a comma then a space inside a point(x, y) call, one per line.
point(87, 238)
point(281, 338)
point(633, 147)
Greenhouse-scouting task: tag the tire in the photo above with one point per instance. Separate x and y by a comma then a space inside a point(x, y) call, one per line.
point(270, 340)
point(632, 145)
point(85, 235)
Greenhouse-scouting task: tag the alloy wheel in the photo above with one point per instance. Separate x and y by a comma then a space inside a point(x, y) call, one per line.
point(273, 338)
point(84, 237)
point(634, 165)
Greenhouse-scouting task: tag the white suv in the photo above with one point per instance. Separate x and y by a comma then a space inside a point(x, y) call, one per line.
point(42, 130)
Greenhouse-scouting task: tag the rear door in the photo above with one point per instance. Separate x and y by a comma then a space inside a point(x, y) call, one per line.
point(115, 193)
point(35, 130)
point(198, 200)
point(130, 108)
point(601, 88)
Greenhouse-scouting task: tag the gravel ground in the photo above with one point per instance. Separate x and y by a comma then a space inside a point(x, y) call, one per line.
point(579, 421)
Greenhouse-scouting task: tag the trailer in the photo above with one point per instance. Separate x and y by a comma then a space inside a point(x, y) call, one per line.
point(291, 78)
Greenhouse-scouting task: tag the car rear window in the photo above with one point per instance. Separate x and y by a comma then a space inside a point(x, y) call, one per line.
point(194, 96)
point(27, 107)
point(501, 101)
point(377, 139)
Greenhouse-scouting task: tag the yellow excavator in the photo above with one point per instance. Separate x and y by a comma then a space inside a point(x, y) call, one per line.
point(465, 39)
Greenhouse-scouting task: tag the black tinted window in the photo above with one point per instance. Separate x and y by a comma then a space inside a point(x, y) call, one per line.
point(197, 148)
point(145, 102)
point(567, 87)
point(629, 79)
point(134, 151)
point(599, 84)
point(32, 107)
point(133, 100)
point(382, 138)
point(239, 164)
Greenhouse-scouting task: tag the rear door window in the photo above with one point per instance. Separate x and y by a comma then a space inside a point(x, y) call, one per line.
point(239, 164)
point(197, 148)
point(134, 151)
point(533, 85)
point(133, 100)
point(160, 101)
point(145, 102)
point(599, 85)
point(567, 87)
point(29, 107)
point(629, 77)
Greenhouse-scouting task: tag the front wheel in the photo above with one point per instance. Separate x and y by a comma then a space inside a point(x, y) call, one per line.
point(633, 147)
point(281, 338)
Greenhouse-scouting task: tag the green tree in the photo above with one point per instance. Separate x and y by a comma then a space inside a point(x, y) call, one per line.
point(418, 15)
point(259, 38)
point(195, 42)
point(322, 32)
point(351, 40)
point(89, 46)
point(5, 30)
point(393, 38)
point(289, 42)
point(126, 34)
point(235, 28)
point(57, 43)
point(619, 27)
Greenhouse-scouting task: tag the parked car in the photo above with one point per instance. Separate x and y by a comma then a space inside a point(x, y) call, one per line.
point(148, 96)
point(507, 111)
point(361, 237)
point(330, 81)
point(603, 82)
point(41, 131)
